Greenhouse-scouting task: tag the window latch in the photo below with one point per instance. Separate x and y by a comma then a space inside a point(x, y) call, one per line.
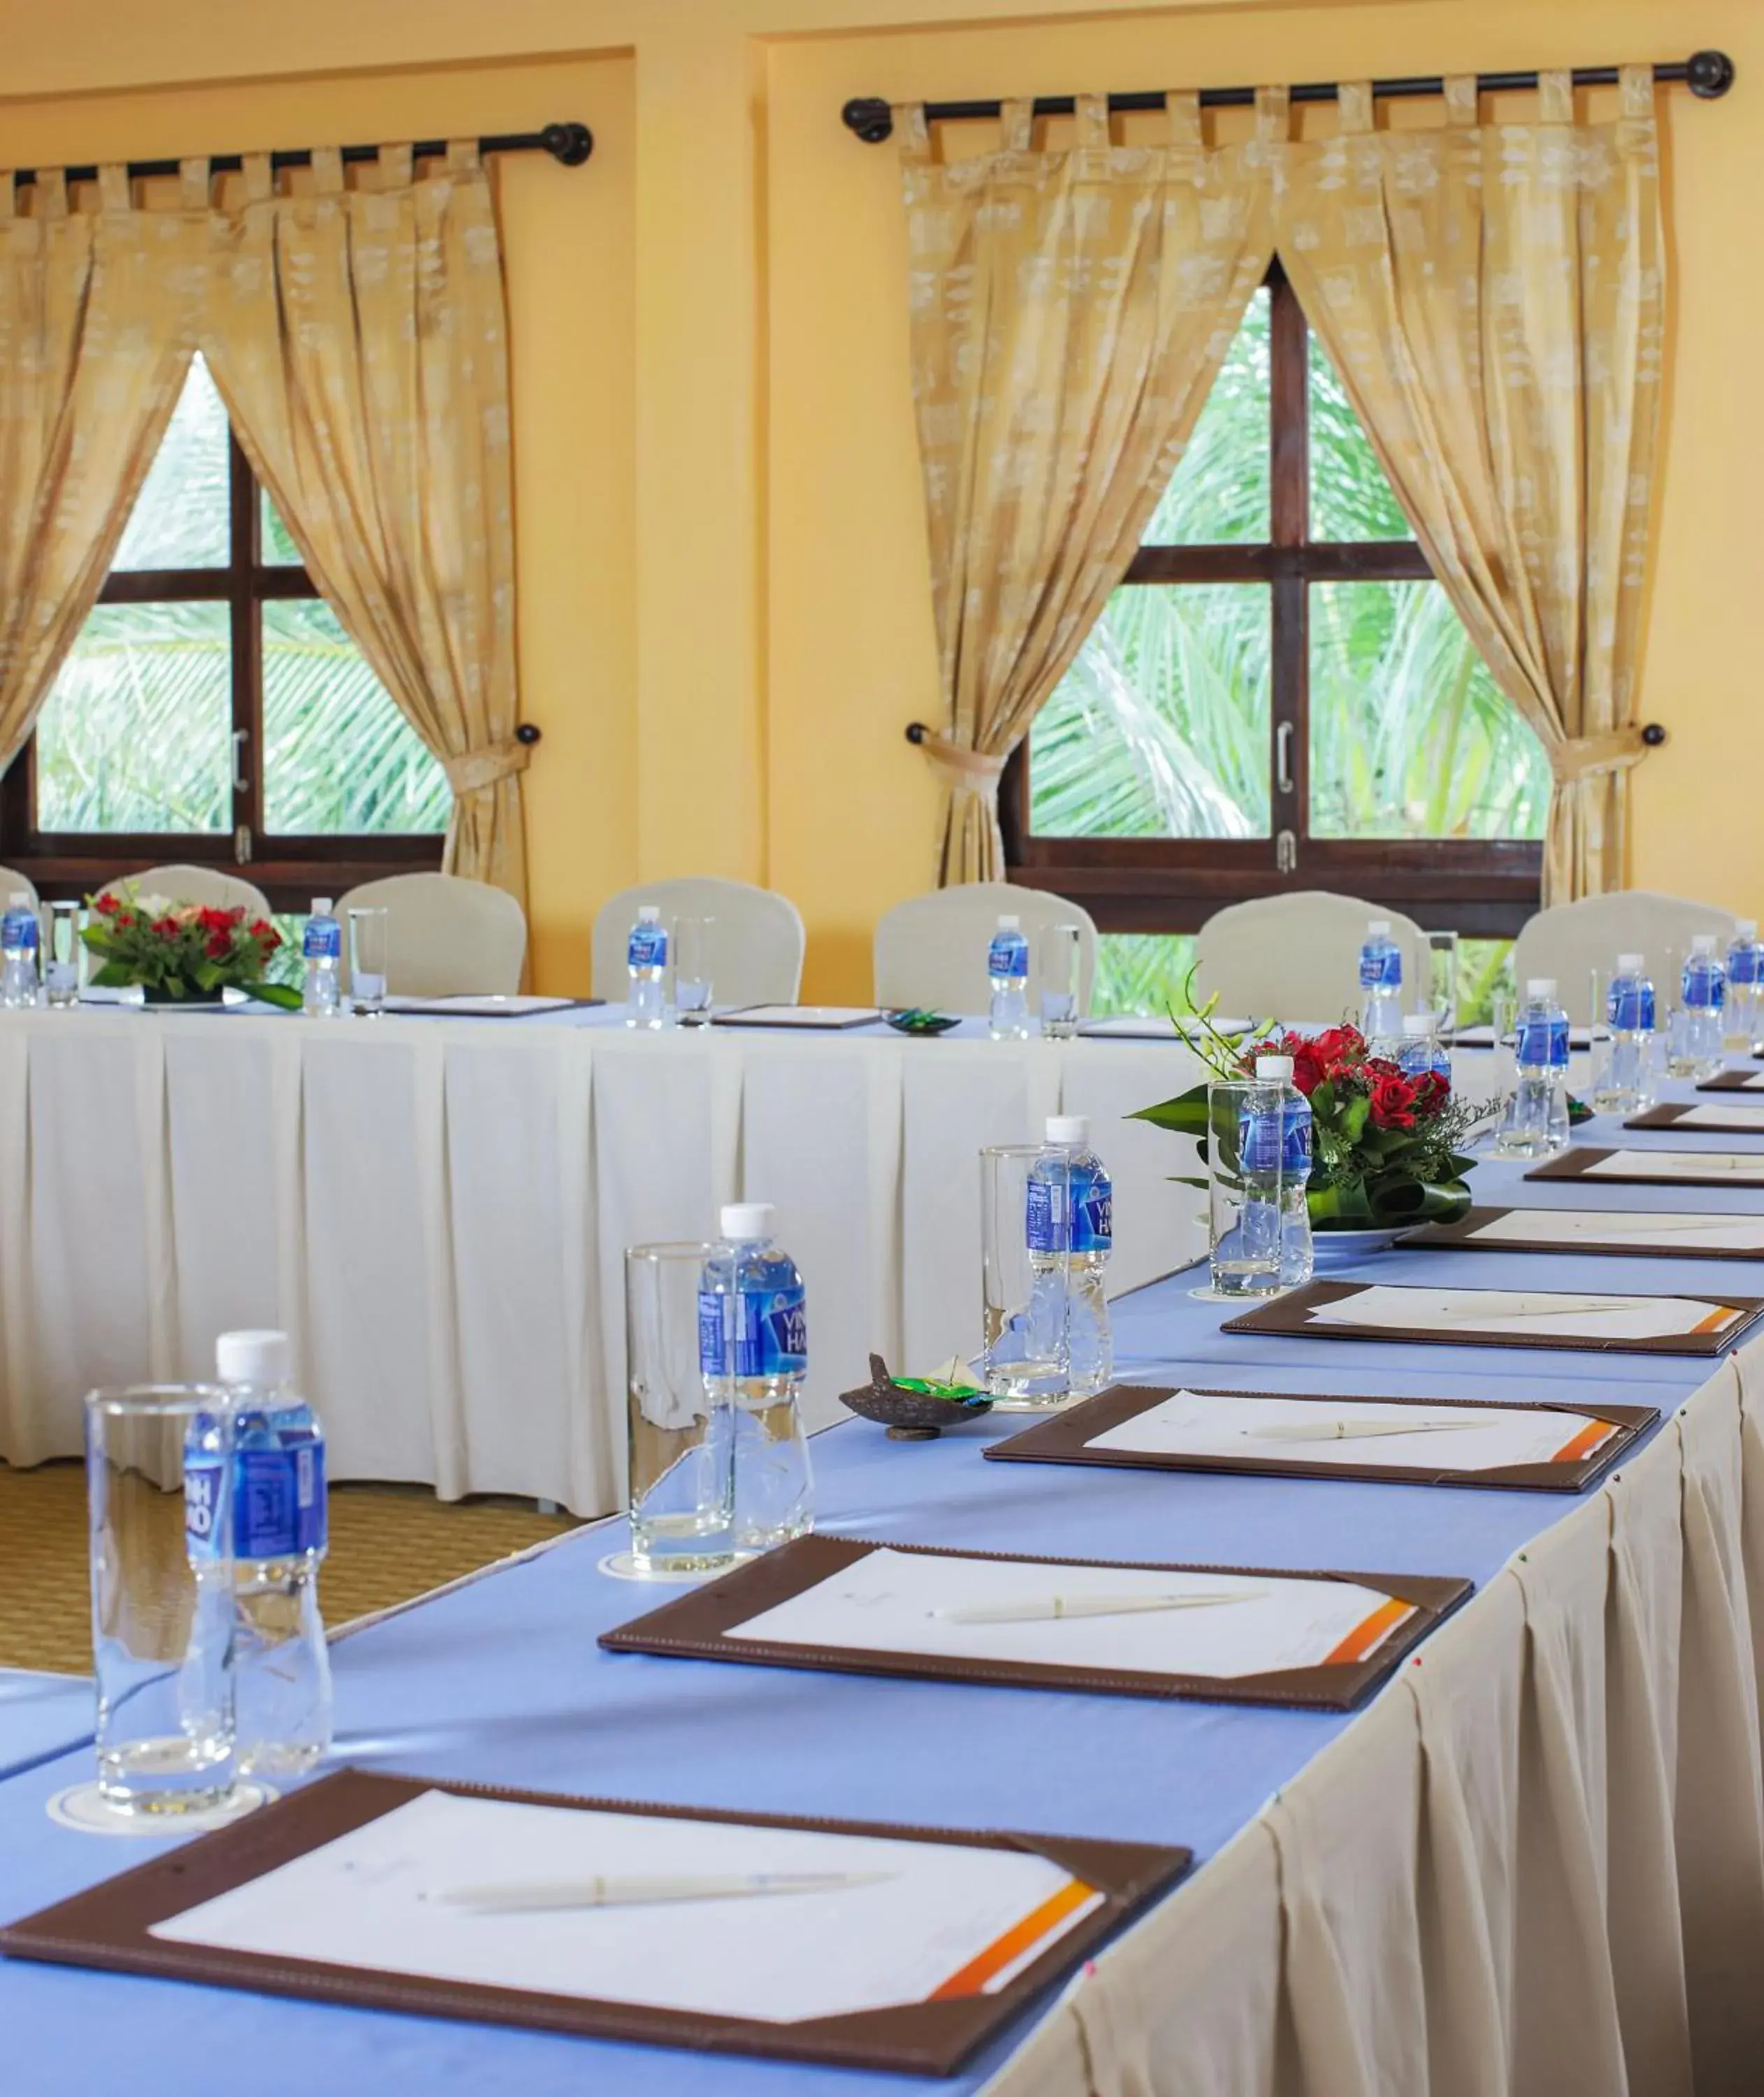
point(242, 845)
point(1283, 757)
point(241, 736)
point(1286, 852)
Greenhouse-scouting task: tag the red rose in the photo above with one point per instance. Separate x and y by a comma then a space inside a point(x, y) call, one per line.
point(107, 906)
point(213, 921)
point(1432, 1091)
point(167, 928)
point(1393, 1102)
point(263, 929)
point(126, 917)
point(1309, 1068)
point(220, 946)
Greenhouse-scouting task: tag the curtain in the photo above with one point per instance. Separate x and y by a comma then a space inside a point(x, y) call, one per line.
point(359, 339)
point(1069, 312)
point(90, 365)
point(1492, 297)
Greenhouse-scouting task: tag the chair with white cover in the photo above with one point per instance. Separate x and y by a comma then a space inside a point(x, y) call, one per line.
point(756, 948)
point(207, 885)
point(1296, 957)
point(931, 951)
point(1572, 939)
point(13, 884)
point(445, 937)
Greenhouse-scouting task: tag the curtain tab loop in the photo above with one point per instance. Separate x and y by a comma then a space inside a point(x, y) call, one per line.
point(1354, 99)
point(1093, 119)
point(478, 769)
point(327, 170)
point(1556, 95)
point(461, 156)
point(1460, 98)
point(395, 165)
point(1183, 111)
point(193, 183)
point(9, 193)
point(1273, 115)
point(1586, 756)
point(914, 131)
point(52, 193)
point(1635, 87)
point(260, 178)
point(1018, 115)
point(114, 192)
point(958, 766)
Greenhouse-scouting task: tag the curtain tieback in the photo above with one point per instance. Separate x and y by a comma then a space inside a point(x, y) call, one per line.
point(959, 766)
point(478, 768)
point(1586, 756)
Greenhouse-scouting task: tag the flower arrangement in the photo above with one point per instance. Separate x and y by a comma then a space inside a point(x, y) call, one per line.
point(179, 952)
point(1387, 1144)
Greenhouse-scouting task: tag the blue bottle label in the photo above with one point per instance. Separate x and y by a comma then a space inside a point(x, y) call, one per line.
point(1043, 1224)
point(324, 940)
point(1092, 1212)
point(771, 1332)
point(1295, 1144)
point(1261, 1139)
point(1631, 1010)
point(1380, 968)
point(1742, 966)
point(648, 948)
point(1008, 955)
point(279, 1501)
point(201, 1508)
point(18, 928)
point(713, 1345)
point(1543, 1043)
point(1704, 990)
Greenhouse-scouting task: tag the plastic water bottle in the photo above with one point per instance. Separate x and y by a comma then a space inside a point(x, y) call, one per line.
point(1380, 984)
point(1745, 981)
point(1535, 1124)
point(1421, 1052)
point(1007, 963)
point(1298, 1254)
point(753, 1349)
point(1256, 1260)
point(1625, 1083)
point(1069, 1227)
point(1697, 1024)
point(19, 935)
point(646, 962)
point(322, 947)
point(282, 1667)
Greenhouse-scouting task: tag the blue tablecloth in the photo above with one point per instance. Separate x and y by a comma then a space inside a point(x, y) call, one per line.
point(40, 1716)
point(501, 1682)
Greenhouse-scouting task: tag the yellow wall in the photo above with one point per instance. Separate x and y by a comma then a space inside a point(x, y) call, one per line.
point(724, 622)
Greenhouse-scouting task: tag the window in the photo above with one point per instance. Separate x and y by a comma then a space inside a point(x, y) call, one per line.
point(213, 709)
point(1279, 696)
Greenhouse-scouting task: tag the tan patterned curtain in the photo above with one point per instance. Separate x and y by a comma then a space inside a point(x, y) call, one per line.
point(1069, 313)
point(1492, 296)
point(359, 339)
point(91, 359)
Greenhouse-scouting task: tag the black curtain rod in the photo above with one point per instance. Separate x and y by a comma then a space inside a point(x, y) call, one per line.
point(1708, 75)
point(570, 143)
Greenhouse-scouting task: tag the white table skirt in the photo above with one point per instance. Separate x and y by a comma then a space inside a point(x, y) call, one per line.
point(437, 1211)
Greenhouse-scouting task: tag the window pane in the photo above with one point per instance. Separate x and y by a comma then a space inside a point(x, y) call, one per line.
point(1142, 972)
point(1350, 495)
point(180, 517)
point(1219, 493)
point(338, 755)
point(1409, 735)
point(1160, 729)
point(134, 733)
point(278, 548)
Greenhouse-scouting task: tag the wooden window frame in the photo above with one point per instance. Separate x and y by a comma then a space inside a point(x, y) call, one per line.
point(290, 869)
point(1484, 888)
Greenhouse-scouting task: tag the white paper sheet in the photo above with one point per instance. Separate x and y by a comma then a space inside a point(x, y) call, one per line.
point(1141, 1027)
point(1682, 1230)
point(1741, 1114)
point(1745, 1169)
point(368, 1899)
point(1540, 1313)
point(1753, 1082)
point(812, 1016)
point(470, 1005)
point(1467, 1438)
point(886, 1602)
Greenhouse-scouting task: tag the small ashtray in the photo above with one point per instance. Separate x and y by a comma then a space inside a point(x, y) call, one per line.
point(916, 1020)
point(914, 1409)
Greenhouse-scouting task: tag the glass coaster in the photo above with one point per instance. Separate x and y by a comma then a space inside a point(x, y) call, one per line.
point(621, 1565)
point(86, 1810)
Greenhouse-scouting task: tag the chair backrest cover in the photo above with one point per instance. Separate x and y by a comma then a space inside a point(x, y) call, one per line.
point(1572, 939)
point(1296, 957)
point(12, 882)
point(445, 937)
point(756, 947)
point(208, 885)
point(930, 950)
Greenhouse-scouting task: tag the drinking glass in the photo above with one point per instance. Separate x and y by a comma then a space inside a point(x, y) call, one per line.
point(1443, 985)
point(1599, 1077)
point(1061, 952)
point(681, 1485)
point(1244, 1236)
point(692, 941)
point(64, 952)
point(1027, 1352)
point(367, 957)
point(159, 1470)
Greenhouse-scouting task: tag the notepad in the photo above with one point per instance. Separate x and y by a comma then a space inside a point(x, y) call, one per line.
point(1539, 1313)
point(932, 1919)
point(887, 1601)
point(812, 1018)
point(1141, 1027)
point(1458, 1439)
point(1617, 1228)
point(1740, 1116)
point(1745, 1169)
point(481, 1005)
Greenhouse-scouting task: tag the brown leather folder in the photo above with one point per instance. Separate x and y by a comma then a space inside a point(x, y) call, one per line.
point(1672, 1115)
point(1068, 1437)
point(699, 1626)
point(1575, 1163)
point(1286, 1316)
point(110, 1924)
point(1734, 1081)
point(1460, 1237)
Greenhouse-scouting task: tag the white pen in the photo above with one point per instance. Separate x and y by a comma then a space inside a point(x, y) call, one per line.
point(1347, 1430)
point(647, 1889)
point(1053, 1609)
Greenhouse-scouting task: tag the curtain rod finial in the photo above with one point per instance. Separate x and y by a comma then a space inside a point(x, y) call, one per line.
point(528, 732)
point(916, 731)
point(569, 143)
point(873, 121)
point(1654, 735)
point(1710, 74)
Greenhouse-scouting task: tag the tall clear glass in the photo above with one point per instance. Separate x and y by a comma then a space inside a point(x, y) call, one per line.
point(64, 952)
point(1244, 1218)
point(1062, 947)
point(162, 1613)
point(694, 973)
point(1441, 987)
point(1599, 1072)
point(368, 937)
point(681, 1428)
point(1025, 1309)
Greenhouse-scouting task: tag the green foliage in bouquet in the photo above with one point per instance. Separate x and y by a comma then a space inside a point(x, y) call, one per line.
point(182, 950)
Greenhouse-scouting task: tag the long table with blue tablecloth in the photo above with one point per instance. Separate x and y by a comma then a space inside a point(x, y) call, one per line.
point(1534, 1862)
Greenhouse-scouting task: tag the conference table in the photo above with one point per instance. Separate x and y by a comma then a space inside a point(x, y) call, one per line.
point(1533, 1861)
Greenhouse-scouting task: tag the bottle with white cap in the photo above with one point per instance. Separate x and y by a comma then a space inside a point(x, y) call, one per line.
point(1624, 1079)
point(1292, 1120)
point(1698, 1025)
point(1007, 968)
point(1534, 1123)
point(18, 936)
point(1068, 1227)
point(322, 949)
point(281, 1666)
point(1421, 1052)
point(1745, 986)
point(647, 963)
point(753, 1355)
point(1380, 984)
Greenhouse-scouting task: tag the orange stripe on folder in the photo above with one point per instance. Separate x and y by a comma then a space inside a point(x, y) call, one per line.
point(1369, 1632)
point(1715, 1321)
point(1003, 1951)
point(1583, 1443)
